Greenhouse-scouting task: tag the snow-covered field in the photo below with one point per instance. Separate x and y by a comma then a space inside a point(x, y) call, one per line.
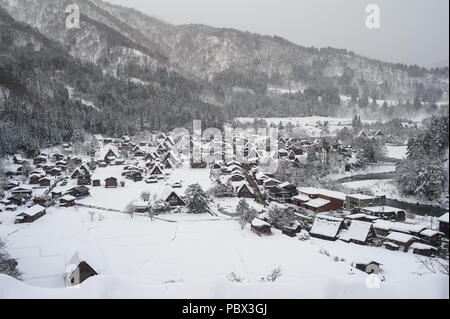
point(308, 125)
point(396, 152)
point(190, 256)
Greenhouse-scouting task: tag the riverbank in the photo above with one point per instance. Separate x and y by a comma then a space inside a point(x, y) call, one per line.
point(387, 187)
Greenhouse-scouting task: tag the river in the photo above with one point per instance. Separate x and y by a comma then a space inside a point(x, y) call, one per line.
point(414, 208)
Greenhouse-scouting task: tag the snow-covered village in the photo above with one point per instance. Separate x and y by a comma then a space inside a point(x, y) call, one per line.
point(141, 213)
point(145, 159)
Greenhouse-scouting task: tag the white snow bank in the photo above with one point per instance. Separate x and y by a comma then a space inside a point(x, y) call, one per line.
point(112, 287)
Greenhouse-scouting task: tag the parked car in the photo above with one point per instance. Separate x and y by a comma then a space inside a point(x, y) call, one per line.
point(176, 185)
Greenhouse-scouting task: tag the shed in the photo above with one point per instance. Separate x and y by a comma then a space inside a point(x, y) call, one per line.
point(111, 182)
point(261, 227)
point(245, 191)
point(31, 214)
point(422, 249)
point(78, 270)
point(402, 240)
point(367, 265)
point(67, 201)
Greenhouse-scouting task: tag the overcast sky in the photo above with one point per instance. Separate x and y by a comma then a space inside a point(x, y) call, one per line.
point(411, 31)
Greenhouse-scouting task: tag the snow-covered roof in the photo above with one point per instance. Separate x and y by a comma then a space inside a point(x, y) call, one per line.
point(301, 197)
point(365, 261)
point(260, 175)
point(400, 237)
point(318, 202)
point(141, 204)
point(383, 209)
point(259, 223)
point(430, 232)
point(321, 191)
point(362, 196)
point(268, 180)
point(326, 226)
point(285, 184)
point(400, 227)
point(246, 185)
point(444, 218)
point(22, 188)
point(358, 231)
point(308, 190)
point(68, 198)
point(275, 205)
point(361, 215)
point(32, 211)
point(89, 256)
point(422, 246)
point(107, 149)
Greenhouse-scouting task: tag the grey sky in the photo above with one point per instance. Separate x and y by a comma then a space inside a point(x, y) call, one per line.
point(412, 31)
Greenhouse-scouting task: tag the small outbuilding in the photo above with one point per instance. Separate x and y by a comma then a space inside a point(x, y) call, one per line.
point(261, 227)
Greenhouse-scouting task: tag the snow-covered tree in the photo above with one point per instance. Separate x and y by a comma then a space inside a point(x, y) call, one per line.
point(197, 201)
point(159, 207)
point(280, 216)
point(425, 171)
point(8, 266)
point(245, 212)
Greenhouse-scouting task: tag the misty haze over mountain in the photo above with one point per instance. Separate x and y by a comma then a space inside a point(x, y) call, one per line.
point(412, 32)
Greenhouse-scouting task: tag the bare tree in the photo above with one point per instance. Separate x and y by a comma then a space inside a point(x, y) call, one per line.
point(233, 277)
point(129, 210)
point(273, 275)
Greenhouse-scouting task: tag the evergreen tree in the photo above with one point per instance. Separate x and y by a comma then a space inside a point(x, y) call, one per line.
point(197, 201)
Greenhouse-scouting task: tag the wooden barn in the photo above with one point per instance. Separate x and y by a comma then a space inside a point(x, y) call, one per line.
point(30, 215)
point(45, 182)
point(360, 233)
point(141, 207)
point(367, 266)
point(261, 227)
point(157, 170)
point(245, 191)
point(423, 249)
point(79, 191)
point(79, 269)
point(111, 182)
point(403, 241)
point(34, 179)
point(44, 200)
point(67, 201)
point(175, 200)
point(327, 227)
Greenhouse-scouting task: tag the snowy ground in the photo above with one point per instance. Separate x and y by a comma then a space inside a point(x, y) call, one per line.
point(191, 257)
point(308, 125)
point(396, 152)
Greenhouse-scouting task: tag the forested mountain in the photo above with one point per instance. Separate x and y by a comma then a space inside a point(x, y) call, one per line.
point(124, 71)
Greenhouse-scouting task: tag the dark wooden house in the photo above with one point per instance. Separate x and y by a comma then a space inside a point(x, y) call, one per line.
point(111, 182)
